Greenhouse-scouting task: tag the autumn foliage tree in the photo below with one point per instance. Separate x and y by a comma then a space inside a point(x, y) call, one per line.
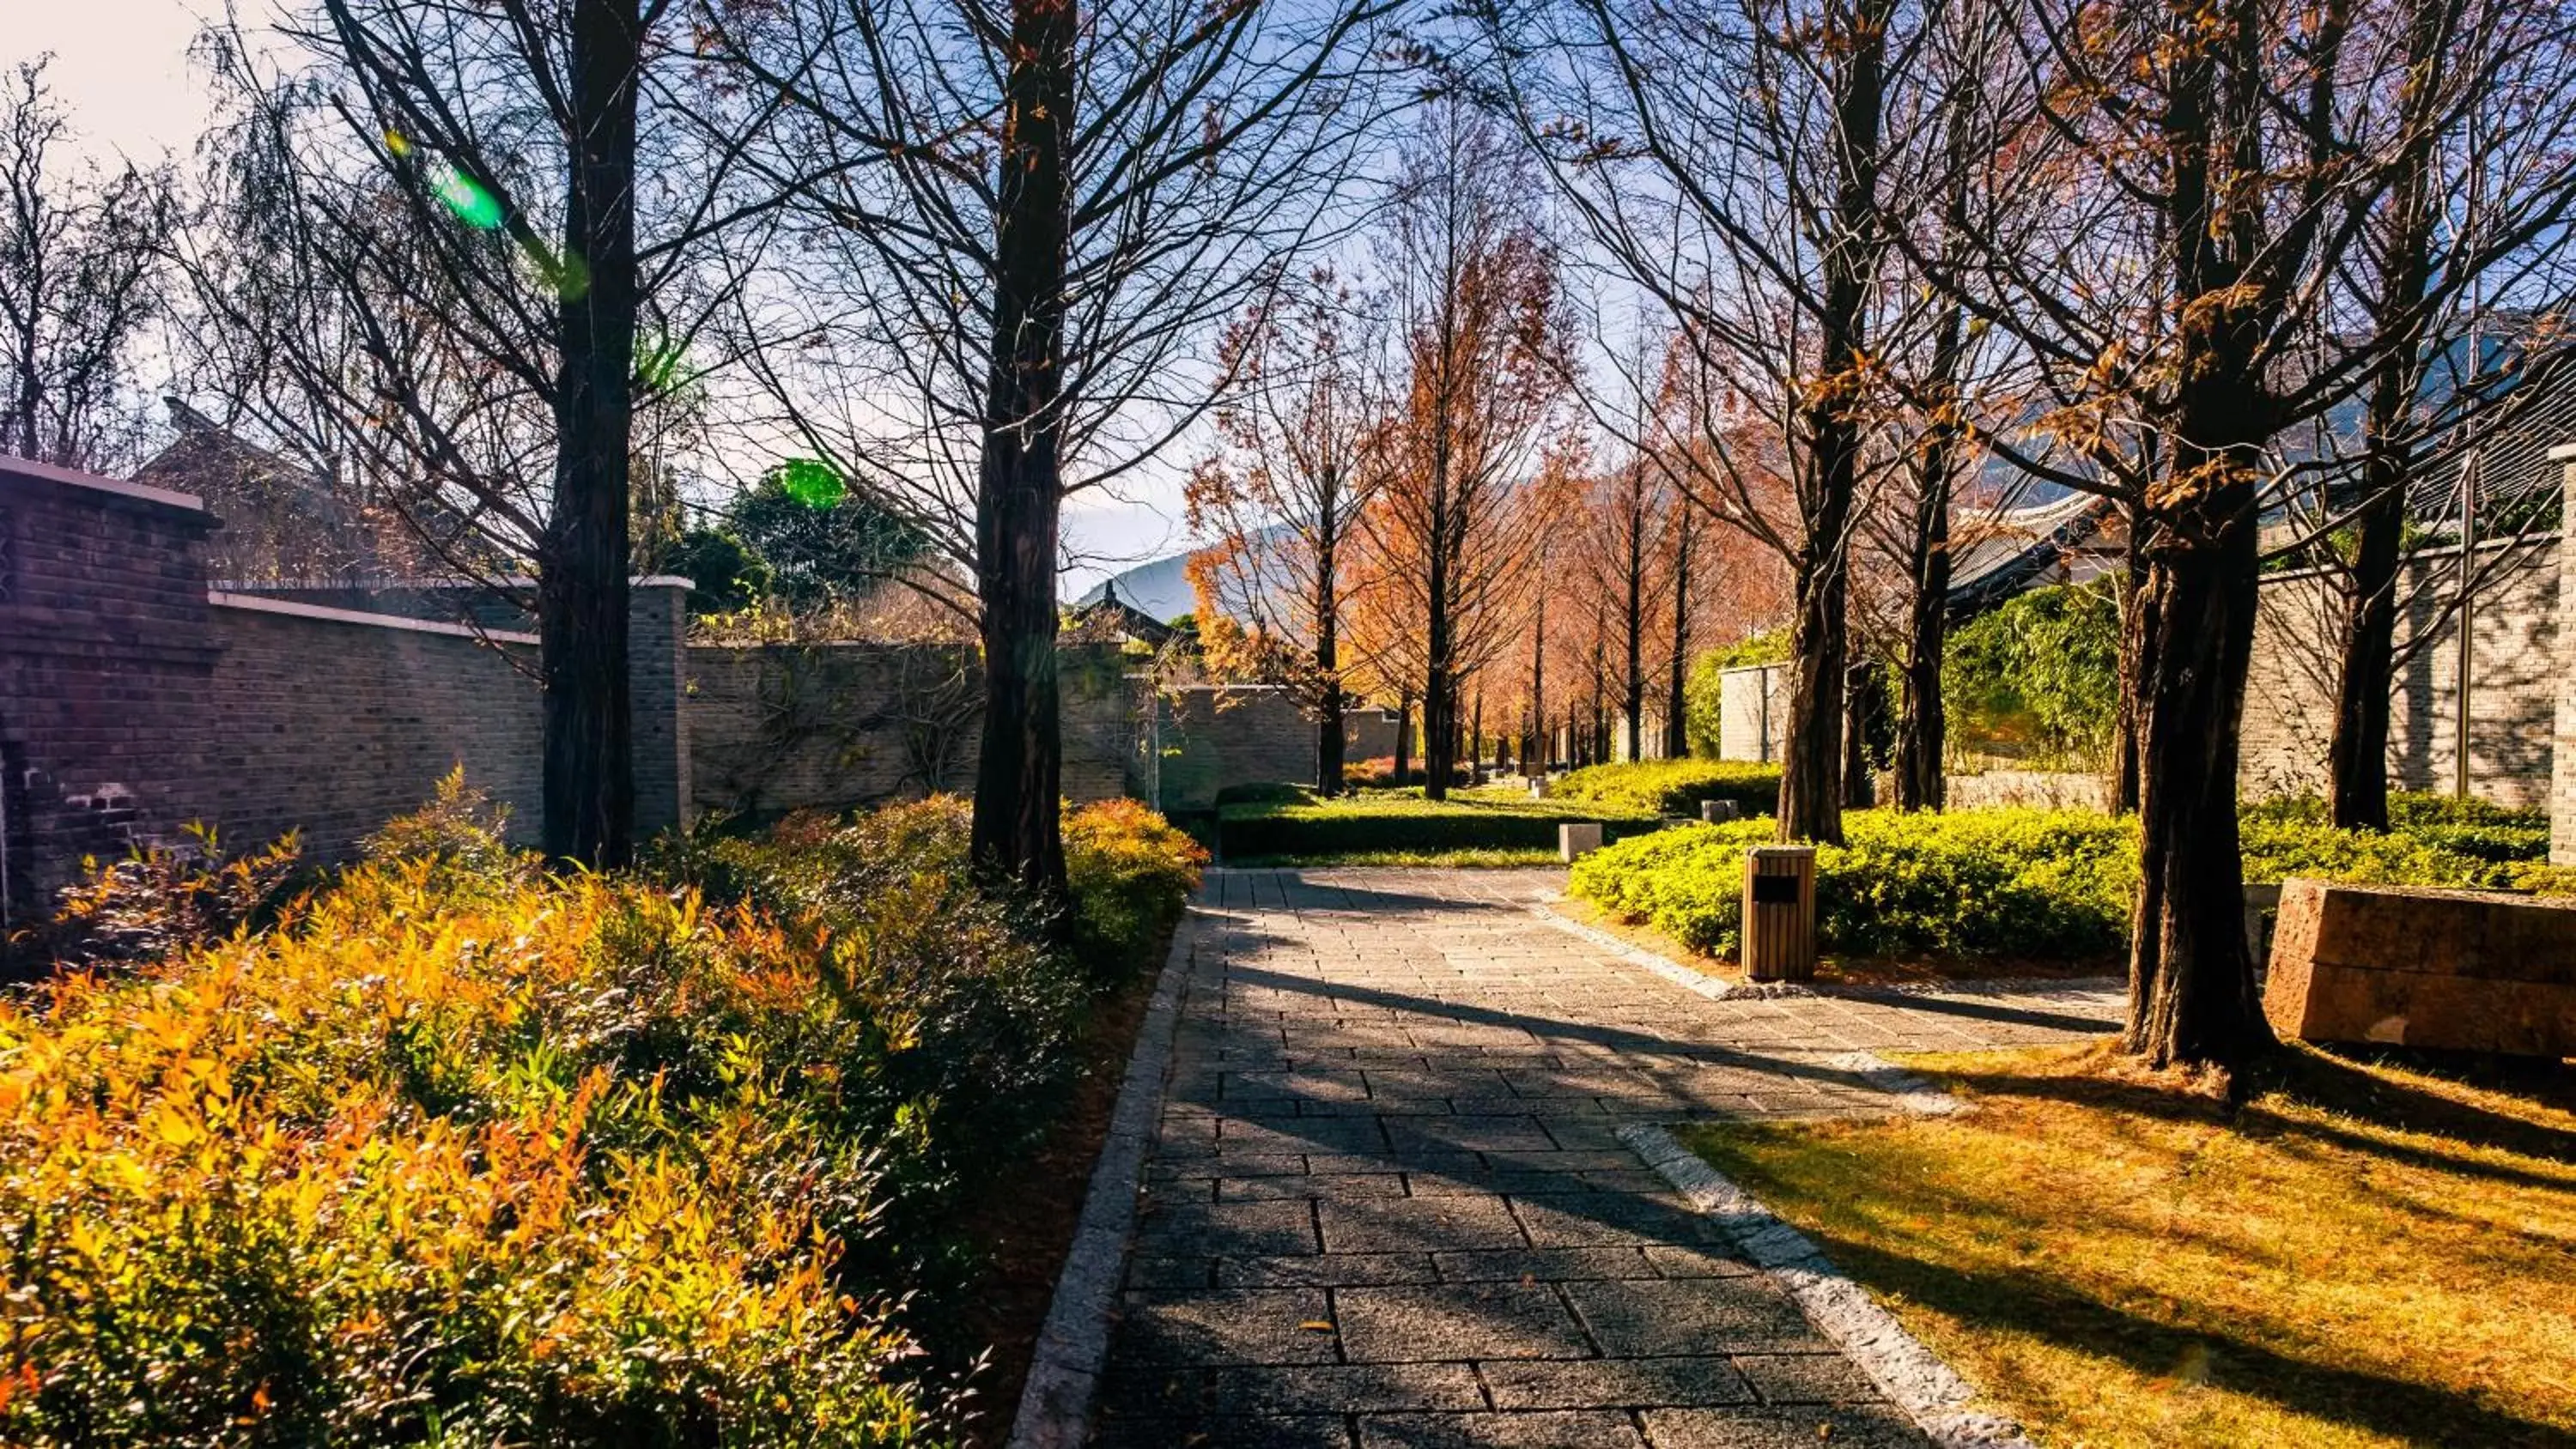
point(1484, 360)
point(1299, 458)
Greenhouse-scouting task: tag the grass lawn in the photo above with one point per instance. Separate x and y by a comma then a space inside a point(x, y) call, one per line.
point(1489, 825)
point(2361, 1256)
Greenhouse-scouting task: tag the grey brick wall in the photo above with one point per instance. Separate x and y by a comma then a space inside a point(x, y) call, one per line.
point(2513, 701)
point(779, 727)
point(1215, 736)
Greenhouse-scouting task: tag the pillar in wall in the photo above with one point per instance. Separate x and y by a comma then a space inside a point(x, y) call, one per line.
point(2562, 755)
point(657, 638)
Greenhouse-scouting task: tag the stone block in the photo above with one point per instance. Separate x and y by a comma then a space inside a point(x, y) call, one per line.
point(2461, 970)
point(1578, 840)
point(1718, 812)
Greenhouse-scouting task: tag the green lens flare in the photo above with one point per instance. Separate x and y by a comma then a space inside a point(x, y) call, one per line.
point(812, 482)
point(465, 196)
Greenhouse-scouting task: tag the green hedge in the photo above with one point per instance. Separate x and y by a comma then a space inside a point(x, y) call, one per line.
point(1384, 821)
point(2035, 884)
point(2039, 884)
point(1674, 787)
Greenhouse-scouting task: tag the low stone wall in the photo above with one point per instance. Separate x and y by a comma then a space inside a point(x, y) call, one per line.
point(2451, 970)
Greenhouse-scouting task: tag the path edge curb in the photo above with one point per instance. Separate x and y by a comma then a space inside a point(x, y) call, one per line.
point(1912, 1376)
point(1064, 1372)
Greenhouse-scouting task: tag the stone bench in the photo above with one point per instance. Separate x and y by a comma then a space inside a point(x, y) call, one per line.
point(2460, 970)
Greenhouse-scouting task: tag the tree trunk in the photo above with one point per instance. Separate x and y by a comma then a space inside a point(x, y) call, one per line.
point(1677, 681)
point(2191, 980)
point(1403, 737)
point(1811, 756)
point(1922, 730)
point(1811, 784)
point(1328, 729)
point(1863, 711)
point(589, 761)
point(2357, 753)
point(2125, 767)
point(1632, 695)
point(1019, 487)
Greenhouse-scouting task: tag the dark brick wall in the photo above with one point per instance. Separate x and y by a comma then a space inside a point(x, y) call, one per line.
point(132, 704)
point(780, 727)
point(103, 655)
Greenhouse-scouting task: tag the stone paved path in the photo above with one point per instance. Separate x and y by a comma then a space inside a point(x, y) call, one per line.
point(1386, 1206)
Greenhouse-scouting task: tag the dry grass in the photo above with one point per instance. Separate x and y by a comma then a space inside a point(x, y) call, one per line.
point(2361, 1256)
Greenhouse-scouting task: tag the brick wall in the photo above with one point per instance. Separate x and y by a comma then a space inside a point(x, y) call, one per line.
point(778, 727)
point(103, 653)
point(2514, 698)
point(1215, 736)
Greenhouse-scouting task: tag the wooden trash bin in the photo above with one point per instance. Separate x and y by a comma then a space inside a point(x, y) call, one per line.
point(1780, 912)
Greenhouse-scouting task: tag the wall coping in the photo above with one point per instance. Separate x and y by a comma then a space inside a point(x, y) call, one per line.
point(29, 468)
point(2537, 540)
point(257, 605)
point(2563, 453)
point(389, 584)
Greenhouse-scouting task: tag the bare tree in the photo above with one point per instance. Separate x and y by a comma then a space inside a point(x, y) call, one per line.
point(2181, 194)
point(2479, 145)
point(1726, 156)
point(424, 267)
point(1044, 208)
point(1485, 359)
point(1281, 499)
point(81, 280)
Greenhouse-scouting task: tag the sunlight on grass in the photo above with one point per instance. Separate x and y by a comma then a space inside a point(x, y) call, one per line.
point(2363, 1256)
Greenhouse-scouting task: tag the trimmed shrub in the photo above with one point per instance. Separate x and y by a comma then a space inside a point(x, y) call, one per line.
point(2042, 885)
point(1674, 787)
point(462, 1152)
point(1383, 821)
point(2035, 884)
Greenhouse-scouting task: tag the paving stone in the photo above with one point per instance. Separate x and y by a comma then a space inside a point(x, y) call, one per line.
point(1226, 1230)
point(1807, 1378)
point(1543, 1265)
point(1594, 1430)
point(1696, 1261)
point(1346, 1388)
point(1460, 1321)
point(1690, 1315)
point(1328, 1270)
point(1418, 1224)
point(1222, 1325)
point(1392, 1107)
point(1340, 1186)
point(1591, 1219)
point(1616, 1383)
point(1304, 1431)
